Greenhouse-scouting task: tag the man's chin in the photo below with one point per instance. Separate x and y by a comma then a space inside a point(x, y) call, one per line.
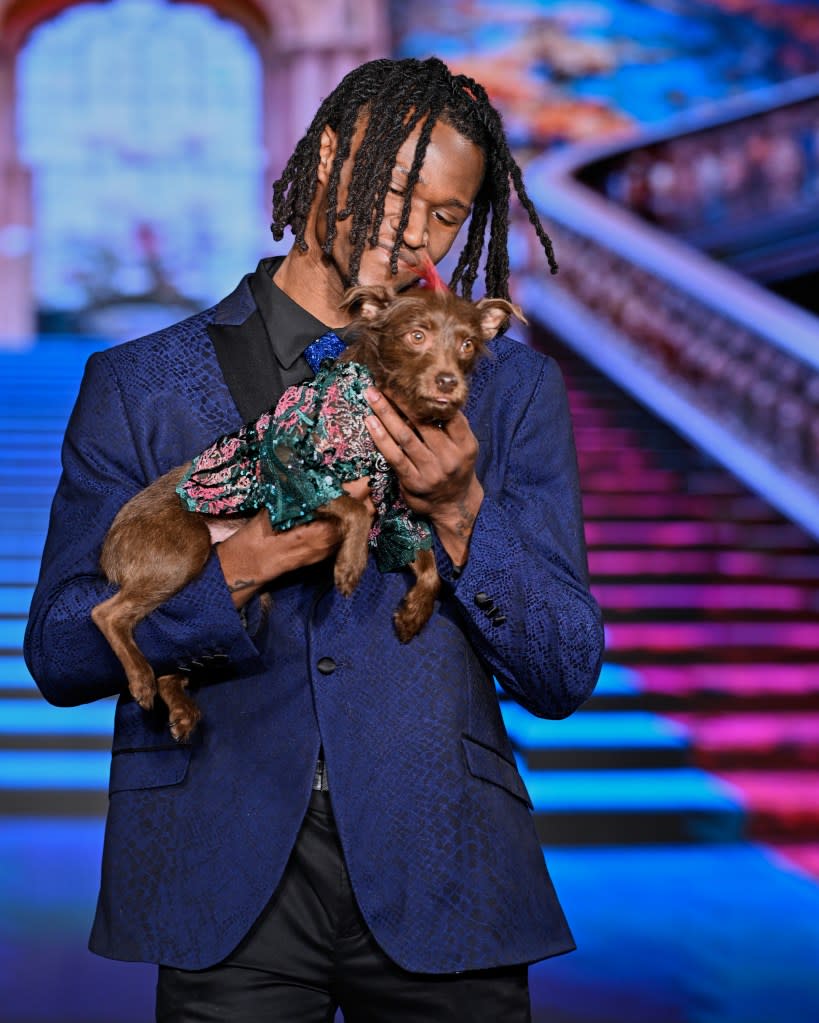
point(403, 279)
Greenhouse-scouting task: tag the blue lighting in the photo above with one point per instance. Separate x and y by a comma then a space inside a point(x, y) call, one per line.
point(48, 769)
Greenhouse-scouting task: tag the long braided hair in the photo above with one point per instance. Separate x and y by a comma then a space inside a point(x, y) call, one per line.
point(397, 96)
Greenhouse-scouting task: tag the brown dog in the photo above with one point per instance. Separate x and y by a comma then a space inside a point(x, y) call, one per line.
point(418, 348)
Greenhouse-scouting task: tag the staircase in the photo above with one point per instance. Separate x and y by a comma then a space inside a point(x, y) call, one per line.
point(52, 761)
point(705, 724)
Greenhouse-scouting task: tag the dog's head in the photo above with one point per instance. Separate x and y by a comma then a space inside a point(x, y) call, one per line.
point(422, 343)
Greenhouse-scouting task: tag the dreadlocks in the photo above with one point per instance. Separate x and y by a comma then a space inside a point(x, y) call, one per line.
point(397, 96)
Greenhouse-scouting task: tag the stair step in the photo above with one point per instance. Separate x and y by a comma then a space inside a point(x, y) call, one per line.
point(54, 782)
point(18, 545)
point(804, 855)
point(11, 633)
point(782, 805)
point(633, 461)
point(666, 506)
point(25, 469)
point(654, 481)
point(725, 685)
point(713, 688)
point(753, 739)
point(596, 740)
point(633, 807)
point(772, 598)
point(730, 564)
point(34, 719)
point(15, 599)
point(14, 675)
point(617, 687)
point(697, 535)
point(19, 571)
point(28, 723)
point(631, 642)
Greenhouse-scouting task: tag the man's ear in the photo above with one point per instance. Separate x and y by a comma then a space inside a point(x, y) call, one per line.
point(328, 145)
point(368, 300)
point(495, 312)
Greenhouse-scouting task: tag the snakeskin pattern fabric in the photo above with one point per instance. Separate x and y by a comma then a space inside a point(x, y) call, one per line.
point(434, 819)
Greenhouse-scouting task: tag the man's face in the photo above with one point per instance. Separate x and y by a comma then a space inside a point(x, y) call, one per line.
point(451, 175)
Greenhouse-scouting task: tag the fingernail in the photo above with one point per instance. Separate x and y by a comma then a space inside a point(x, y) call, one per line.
point(373, 424)
point(372, 395)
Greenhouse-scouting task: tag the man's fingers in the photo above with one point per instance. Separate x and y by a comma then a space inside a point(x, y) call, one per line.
point(389, 447)
point(395, 427)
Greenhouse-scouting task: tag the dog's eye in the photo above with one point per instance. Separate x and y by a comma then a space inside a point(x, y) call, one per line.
point(467, 345)
point(417, 337)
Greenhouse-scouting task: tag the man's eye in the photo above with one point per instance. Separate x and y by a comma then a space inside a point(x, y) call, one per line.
point(444, 219)
point(396, 190)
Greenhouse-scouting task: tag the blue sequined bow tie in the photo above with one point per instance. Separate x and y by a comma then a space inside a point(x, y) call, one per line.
point(328, 346)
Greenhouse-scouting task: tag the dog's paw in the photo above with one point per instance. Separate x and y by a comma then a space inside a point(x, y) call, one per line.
point(143, 691)
point(183, 719)
point(406, 624)
point(346, 576)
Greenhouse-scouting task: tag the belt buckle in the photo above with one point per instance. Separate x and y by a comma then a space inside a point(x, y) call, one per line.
point(320, 777)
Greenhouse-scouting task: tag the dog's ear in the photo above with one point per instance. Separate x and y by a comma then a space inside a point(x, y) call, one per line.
point(367, 300)
point(495, 312)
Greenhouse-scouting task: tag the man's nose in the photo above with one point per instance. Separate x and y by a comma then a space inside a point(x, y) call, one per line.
point(416, 233)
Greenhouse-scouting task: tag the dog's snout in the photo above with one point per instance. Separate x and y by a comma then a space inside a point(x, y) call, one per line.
point(446, 382)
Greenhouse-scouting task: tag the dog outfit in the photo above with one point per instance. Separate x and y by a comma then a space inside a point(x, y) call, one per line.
point(295, 459)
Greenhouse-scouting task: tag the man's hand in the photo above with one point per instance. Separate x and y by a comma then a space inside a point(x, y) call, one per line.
point(435, 468)
point(256, 554)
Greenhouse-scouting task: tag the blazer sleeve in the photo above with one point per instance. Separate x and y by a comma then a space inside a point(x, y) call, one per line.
point(103, 466)
point(524, 589)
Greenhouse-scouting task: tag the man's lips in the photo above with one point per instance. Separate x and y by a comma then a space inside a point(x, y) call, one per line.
point(410, 262)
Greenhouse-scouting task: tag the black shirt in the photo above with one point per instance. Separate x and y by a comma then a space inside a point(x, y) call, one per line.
point(290, 329)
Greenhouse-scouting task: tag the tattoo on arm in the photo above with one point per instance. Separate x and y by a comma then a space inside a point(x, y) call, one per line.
point(463, 527)
point(241, 584)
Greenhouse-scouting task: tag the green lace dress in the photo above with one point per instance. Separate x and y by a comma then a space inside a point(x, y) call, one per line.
point(296, 458)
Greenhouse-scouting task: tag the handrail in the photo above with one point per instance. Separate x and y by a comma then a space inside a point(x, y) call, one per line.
point(730, 365)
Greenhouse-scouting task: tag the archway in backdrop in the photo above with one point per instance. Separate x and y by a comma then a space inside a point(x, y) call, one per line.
point(147, 156)
point(140, 121)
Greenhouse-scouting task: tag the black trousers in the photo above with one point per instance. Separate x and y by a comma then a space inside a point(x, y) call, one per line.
point(311, 952)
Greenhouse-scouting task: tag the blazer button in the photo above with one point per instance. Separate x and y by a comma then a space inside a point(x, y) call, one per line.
point(499, 619)
point(326, 665)
point(483, 599)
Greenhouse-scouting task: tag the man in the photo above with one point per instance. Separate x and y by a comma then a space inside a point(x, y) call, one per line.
point(348, 825)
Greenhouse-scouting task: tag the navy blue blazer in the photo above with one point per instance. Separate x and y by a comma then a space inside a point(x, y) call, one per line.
point(435, 822)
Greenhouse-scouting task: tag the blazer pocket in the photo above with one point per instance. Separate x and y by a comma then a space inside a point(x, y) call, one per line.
point(491, 766)
point(149, 768)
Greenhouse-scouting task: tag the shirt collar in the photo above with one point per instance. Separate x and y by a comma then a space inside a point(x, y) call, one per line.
point(289, 328)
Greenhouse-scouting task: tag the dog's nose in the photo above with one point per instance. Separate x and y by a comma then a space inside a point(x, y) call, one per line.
point(446, 382)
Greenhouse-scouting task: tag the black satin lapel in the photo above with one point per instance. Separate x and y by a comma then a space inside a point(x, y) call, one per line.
point(248, 365)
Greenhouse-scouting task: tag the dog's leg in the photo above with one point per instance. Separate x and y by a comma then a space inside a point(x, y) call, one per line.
point(116, 619)
point(415, 609)
point(183, 714)
point(153, 549)
point(354, 522)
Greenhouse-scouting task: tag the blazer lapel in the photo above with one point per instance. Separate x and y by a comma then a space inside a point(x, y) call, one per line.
point(247, 362)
